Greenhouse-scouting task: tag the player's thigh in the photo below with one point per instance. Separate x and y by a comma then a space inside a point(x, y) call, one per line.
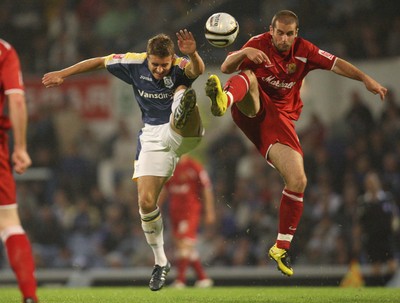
point(149, 188)
point(156, 157)
point(290, 165)
point(8, 216)
point(7, 181)
point(179, 144)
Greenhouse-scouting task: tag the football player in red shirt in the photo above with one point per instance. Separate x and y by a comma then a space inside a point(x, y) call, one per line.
point(12, 234)
point(265, 100)
point(189, 193)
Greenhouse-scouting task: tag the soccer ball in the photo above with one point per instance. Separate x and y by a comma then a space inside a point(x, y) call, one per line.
point(221, 29)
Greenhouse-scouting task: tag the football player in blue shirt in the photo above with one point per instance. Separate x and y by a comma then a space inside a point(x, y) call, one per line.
point(161, 82)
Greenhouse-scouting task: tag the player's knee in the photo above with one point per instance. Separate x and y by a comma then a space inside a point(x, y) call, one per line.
point(147, 203)
point(302, 183)
point(297, 183)
point(252, 78)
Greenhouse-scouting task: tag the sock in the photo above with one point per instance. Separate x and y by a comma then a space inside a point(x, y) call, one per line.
point(177, 100)
point(197, 266)
point(237, 87)
point(152, 225)
point(20, 257)
point(183, 263)
point(290, 212)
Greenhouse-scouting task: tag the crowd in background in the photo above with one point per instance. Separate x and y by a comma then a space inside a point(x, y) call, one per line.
point(53, 34)
point(71, 222)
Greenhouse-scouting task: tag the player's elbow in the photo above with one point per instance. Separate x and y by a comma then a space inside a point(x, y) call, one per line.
point(202, 69)
point(225, 69)
point(228, 68)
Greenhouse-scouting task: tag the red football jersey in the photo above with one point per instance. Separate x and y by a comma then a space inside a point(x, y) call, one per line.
point(185, 188)
point(10, 78)
point(282, 79)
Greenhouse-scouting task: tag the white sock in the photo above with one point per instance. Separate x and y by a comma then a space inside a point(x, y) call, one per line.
point(177, 99)
point(152, 225)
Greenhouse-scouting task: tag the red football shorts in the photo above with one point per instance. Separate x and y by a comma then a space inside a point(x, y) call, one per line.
point(7, 182)
point(268, 127)
point(184, 228)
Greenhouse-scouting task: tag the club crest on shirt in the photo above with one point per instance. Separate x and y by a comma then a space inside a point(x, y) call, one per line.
point(168, 82)
point(291, 68)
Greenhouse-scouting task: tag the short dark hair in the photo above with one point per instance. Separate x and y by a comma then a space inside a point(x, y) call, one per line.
point(286, 17)
point(161, 45)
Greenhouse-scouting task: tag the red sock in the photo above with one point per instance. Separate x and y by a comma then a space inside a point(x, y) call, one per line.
point(237, 87)
point(183, 263)
point(198, 268)
point(21, 261)
point(290, 212)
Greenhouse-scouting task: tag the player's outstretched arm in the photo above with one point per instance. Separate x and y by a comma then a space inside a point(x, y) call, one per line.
point(235, 59)
point(346, 69)
point(187, 46)
point(56, 78)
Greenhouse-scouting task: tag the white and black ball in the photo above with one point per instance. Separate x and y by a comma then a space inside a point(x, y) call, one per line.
point(221, 29)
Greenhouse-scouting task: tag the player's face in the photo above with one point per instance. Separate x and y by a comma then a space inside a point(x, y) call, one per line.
point(158, 66)
point(283, 35)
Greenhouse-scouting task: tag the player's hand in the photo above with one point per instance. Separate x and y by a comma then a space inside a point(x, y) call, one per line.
point(52, 79)
point(21, 160)
point(186, 42)
point(257, 56)
point(375, 88)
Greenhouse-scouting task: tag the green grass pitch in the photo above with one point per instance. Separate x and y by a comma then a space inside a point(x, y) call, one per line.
point(212, 295)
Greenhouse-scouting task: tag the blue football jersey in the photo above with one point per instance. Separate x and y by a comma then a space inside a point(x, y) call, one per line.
point(154, 96)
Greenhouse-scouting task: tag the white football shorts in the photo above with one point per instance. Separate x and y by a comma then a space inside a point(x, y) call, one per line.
point(161, 149)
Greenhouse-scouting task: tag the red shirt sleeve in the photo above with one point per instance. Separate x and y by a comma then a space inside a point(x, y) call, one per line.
point(318, 58)
point(11, 75)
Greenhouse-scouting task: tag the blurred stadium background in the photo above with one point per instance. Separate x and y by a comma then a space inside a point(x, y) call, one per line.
point(78, 203)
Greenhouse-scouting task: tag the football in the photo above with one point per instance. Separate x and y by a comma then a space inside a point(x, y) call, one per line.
point(221, 29)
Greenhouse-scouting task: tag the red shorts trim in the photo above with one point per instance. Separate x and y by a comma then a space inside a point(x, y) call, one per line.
point(7, 182)
point(268, 127)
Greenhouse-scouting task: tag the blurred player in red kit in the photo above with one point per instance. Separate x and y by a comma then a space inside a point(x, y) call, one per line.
point(190, 194)
point(12, 234)
point(265, 101)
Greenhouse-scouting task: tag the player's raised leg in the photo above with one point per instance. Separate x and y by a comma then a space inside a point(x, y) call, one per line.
point(241, 89)
point(187, 102)
point(219, 99)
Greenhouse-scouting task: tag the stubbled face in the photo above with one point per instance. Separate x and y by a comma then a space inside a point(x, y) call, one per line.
point(283, 35)
point(158, 66)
